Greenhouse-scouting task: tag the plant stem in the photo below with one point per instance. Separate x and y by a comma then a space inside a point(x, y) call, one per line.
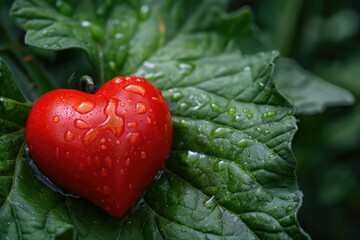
point(286, 28)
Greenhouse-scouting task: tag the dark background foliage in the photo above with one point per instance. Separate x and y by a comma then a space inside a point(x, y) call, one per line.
point(324, 37)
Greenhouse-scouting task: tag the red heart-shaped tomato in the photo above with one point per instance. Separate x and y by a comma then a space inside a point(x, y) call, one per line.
point(105, 147)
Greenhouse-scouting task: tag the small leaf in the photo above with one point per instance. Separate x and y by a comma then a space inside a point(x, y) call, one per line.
point(307, 92)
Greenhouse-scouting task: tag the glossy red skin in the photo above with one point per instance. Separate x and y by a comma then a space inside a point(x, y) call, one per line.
point(108, 162)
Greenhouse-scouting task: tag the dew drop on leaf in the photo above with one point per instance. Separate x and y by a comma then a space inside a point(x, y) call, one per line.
point(119, 36)
point(249, 116)
point(112, 65)
point(221, 132)
point(210, 203)
point(184, 106)
point(176, 96)
point(149, 65)
point(144, 13)
point(186, 68)
point(215, 107)
point(261, 85)
point(231, 111)
point(268, 115)
point(85, 24)
point(246, 110)
point(64, 8)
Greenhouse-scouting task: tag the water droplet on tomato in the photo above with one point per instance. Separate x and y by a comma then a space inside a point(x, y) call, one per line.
point(148, 120)
point(56, 119)
point(102, 140)
point(81, 124)
point(130, 187)
point(108, 162)
point(121, 172)
point(143, 154)
point(136, 89)
point(127, 162)
point(122, 104)
point(103, 172)
point(118, 80)
point(114, 123)
point(117, 142)
point(141, 108)
point(103, 147)
point(132, 137)
point(84, 107)
point(132, 125)
point(57, 152)
point(69, 136)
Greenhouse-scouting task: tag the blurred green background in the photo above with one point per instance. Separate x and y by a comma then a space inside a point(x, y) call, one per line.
point(324, 37)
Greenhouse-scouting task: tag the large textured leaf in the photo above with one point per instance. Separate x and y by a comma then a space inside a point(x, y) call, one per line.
point(230, 174)
point(13, 114)
point(316, 94)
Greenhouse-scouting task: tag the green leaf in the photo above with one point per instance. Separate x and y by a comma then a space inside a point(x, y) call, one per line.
point(13, 114)
point(230, 173)
point(307, 92)
point(116, 37)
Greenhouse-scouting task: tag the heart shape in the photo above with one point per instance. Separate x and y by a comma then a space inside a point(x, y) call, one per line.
point(105, 147)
